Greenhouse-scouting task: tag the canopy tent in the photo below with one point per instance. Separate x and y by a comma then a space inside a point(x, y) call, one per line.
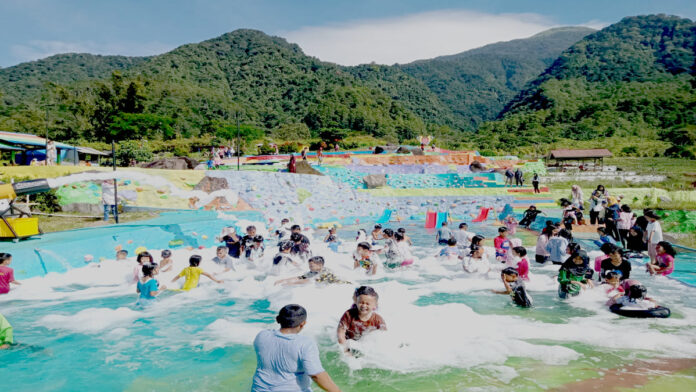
point(33, 147)
point(595, 155)
point(11, 148)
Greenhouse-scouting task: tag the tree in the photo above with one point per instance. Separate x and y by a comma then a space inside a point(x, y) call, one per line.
point(296, 131)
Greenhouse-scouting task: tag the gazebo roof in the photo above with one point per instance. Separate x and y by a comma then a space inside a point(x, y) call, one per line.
point(580, 154)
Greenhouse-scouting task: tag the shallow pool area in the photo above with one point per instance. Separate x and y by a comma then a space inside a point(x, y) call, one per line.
point(79, 327)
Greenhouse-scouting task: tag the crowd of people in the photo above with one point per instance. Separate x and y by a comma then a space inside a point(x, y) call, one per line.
point(287, 358)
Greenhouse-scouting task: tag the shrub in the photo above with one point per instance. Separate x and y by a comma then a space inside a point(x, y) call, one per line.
point(47, 201)
point(266, 149)
point(289, 147)
point(132, 150)
point(630, 150)
point(679, 152)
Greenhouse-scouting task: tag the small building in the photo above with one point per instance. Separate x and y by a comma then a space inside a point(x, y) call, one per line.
point(27, 147)
point(584, 159)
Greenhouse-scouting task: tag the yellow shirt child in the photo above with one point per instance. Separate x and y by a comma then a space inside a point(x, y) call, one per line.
point(192, 273)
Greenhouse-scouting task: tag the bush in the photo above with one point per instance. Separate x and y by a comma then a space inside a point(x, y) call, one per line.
point(266, 149)
point(132, 150)
point(630, 150)
point(296, 132)
point(289, 147)
point(679, 152)
point(47, 201)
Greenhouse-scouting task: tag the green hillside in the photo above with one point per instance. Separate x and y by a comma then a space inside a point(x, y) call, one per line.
point(477, 84)
point(632, 80)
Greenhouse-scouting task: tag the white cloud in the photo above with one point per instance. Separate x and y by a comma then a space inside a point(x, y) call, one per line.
point(38, 49)
point(412, 37)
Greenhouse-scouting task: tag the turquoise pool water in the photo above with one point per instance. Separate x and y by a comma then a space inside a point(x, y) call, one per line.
point(418, 181)
point(80, 330)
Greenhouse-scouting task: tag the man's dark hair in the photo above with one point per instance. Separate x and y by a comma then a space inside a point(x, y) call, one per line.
point(291, 316)
point(462, 225)
point(295, 227)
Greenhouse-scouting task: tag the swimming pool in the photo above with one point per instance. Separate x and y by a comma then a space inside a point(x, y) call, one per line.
point(447, 331)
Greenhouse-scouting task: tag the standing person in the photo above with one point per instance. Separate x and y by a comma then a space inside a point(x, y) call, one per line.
point(626, 220)
point(576, 197)
point(292, 165)
point(509, 175)
point(535, 183)
point(286, 360)
point(541, 254)
point(596, 205)
point(108, 198)
point(443, 234)
point(463, 236)
point(304, 153)
point(320, 154)
point(519, 177)
point(653, 235)
point(51, 153)
point(611, 218)
point(336, 147)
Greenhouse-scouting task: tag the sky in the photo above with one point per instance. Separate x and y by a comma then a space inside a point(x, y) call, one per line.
point(347, 32)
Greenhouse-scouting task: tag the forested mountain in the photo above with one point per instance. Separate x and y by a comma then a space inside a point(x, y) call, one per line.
point(477, 84)
point(634, 78)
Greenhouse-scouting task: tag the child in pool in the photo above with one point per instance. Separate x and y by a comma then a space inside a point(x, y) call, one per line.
point(522, 266)
point(317, 273)
point(331, 237)
point(443, 234)
point(300, 249)
point(451, 251)
point(402, 231)
point(390, 250)
point(404, 249)
point(556, 246)
point(603, 237)
point(122, 255)
point(360, 318)
point(476, 262)
point(6, 273)
point(514, 287)
point(376, 234)
point(612, 285)
point(616, 261)
point(510, 258)
point(143, 258)
point(502, 244)
point(636, 297)
point(664, 260)
point(463, 236)
point(6, 337)
point(510, 224)
point(362, 258)
point(192, 274)
point(223, 258)
point(296, 229)
point(148, 287)
point(283, 259)
point(255, 252)
point(634, 240)
point(167, 263)
point(247, 241)
point(574, 275)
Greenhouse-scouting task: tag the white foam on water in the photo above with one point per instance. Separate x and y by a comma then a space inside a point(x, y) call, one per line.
point(420, 336)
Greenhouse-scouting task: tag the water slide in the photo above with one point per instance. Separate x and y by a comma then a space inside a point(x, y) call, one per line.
point(441, 217)
point(483, 215)
point(386, 215)
point(430, 219)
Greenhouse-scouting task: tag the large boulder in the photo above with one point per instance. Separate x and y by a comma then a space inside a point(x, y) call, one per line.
point(176, 163)
point(303, 167)
point(409, 149)
point(375, 181)
point(212, 184)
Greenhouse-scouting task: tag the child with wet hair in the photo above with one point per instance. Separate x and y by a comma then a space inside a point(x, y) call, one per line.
point(636, 297)
point(522, 264)
point(142, 259)
point(283, 259)
point(148, 287)
point(362, 258)
point(223, 258)
point(255, 252)
point(451, 251)
point(192, 274)
point(317, 273)
point(300, 248)
point(404, 249)
point(360, 318)
point(514, 287)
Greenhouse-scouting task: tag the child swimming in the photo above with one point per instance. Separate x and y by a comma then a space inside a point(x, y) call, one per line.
point(451, 251)
point(514, 287)
point(360, 318)
point(192, 274)
point(362, 258)
point(574, 275)
point(317, 273)
point(148, 287)
point(6, 273)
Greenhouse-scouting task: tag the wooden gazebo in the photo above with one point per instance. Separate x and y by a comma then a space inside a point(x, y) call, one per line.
point(596, 155)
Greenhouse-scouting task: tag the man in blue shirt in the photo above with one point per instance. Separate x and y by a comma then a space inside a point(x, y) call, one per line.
point(287, 361)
